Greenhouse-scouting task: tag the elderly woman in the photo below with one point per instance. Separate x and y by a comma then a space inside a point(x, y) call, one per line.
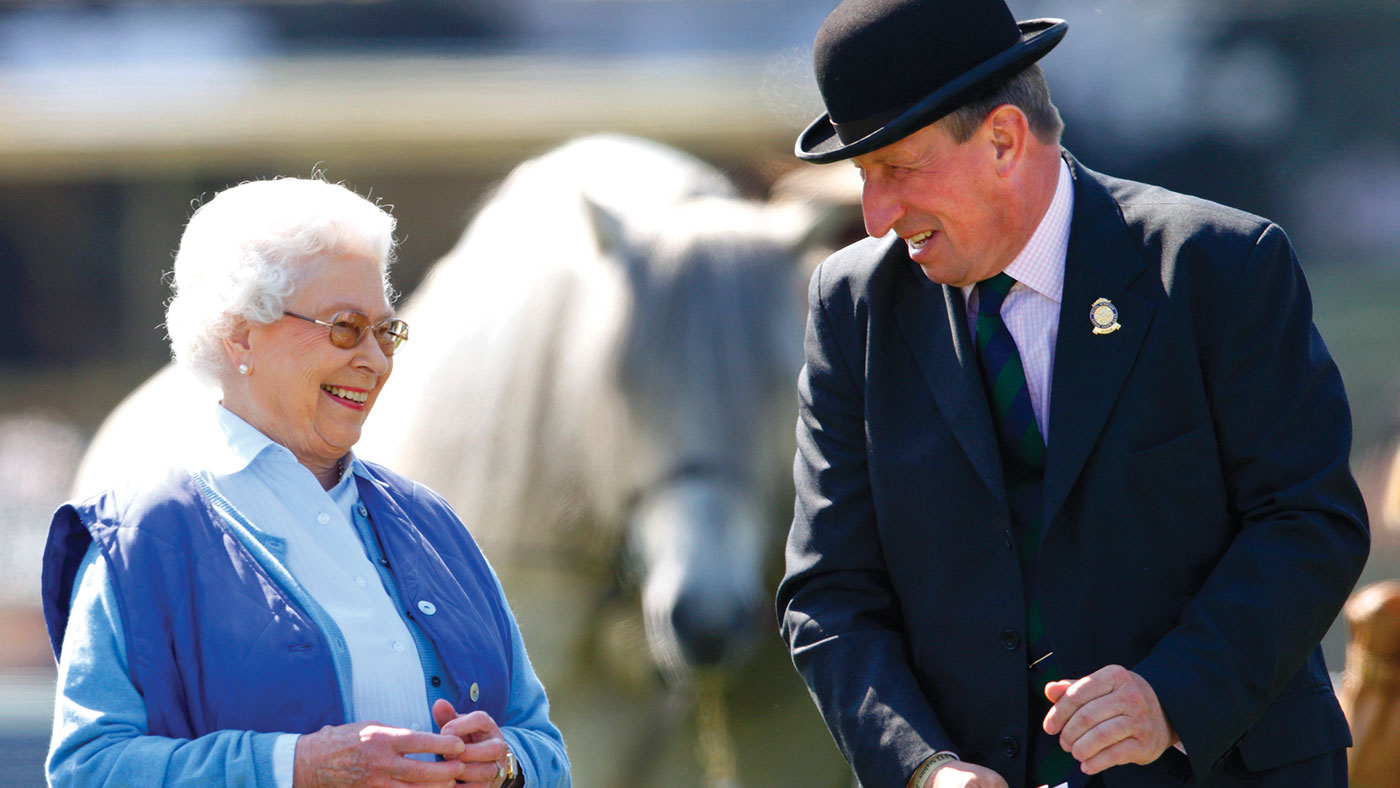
point(276, 611)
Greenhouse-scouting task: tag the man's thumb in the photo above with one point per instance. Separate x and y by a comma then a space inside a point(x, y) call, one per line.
point(1053, 691)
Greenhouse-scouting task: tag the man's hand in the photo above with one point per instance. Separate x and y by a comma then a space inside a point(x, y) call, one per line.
point(484, 753)
point(957, 774)
point(1107, 718)
point(368, 755)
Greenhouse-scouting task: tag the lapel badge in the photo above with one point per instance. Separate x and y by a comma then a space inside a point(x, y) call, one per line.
point(1104, 316)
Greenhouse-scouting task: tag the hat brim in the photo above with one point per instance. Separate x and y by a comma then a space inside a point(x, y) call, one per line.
point(820, 144)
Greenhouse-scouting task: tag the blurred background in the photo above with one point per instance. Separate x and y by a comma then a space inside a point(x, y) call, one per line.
point(117, 117)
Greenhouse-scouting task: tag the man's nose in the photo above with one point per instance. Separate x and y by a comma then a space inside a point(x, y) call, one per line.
point(879, 208)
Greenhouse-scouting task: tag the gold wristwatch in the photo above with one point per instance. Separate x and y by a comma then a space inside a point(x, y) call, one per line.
point(513, 776)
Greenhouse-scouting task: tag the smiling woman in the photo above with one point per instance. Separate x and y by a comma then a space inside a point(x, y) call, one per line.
point(306, 391)
point(306, 618)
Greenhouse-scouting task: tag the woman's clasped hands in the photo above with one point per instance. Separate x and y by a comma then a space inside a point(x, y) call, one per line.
point(369, 755)
point(484, 754)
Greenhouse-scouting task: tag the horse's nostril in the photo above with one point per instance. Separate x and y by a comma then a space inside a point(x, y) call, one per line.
point(708, 636)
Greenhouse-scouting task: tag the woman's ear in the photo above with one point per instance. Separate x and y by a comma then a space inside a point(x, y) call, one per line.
point(237, 344)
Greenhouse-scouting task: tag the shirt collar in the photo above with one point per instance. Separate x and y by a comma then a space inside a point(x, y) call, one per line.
point(1040, 265)
point(242, 444)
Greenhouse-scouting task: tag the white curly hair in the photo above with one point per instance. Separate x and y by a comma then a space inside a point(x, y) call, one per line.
point(242, 256)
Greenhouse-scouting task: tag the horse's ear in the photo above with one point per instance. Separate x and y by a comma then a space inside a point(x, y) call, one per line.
point(814, 229)
point(829, 225)
point(608, 231)
point(831, 197)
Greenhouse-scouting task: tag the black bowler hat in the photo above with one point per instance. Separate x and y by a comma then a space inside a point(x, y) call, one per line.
point(887, 68)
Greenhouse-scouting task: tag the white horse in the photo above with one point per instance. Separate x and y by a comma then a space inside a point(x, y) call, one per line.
point(600, 379)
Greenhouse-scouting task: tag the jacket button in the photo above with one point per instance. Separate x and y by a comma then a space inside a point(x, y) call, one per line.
point(1009, 639)
point(427, 607)
point(474, 693)
point(1009, 746)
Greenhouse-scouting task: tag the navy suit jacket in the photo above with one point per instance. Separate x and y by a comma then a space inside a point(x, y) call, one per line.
point(1203, 526)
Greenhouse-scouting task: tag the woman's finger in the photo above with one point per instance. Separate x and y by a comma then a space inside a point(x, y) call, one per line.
point(476, 722)
point(405, 741)
point(443, 712)
point(418, 772)
point(488, 750)
point(479, 773)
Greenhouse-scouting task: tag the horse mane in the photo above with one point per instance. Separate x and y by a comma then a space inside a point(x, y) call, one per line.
point(536, 352)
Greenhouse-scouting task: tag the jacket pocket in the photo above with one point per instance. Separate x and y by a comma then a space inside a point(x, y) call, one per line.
point(1297, 725)
point(1178, 497)
point(1191, 443)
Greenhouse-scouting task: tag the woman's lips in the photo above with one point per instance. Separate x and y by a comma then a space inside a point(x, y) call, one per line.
point(349, 397)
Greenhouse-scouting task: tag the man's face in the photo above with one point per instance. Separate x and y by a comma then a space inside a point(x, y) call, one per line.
point(945, 199)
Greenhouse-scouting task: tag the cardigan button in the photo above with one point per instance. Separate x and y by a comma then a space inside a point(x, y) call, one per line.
point(474, 693)
point(363, 511)
point(427, 607)
point(437, 681)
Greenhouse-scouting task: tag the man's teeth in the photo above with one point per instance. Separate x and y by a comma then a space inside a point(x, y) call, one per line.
point(354, 396)
point(918, 241)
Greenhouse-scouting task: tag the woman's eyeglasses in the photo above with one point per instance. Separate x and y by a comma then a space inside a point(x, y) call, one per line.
point(347, 328)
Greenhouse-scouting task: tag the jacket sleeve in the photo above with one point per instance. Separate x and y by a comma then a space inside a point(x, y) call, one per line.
point(836, 606)
point(100, 729)
point(1284, 433)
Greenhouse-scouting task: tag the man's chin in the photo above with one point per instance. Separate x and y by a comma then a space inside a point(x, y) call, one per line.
point(939, 274)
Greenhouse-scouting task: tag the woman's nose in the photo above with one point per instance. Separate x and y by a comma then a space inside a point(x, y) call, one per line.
point(371, 355)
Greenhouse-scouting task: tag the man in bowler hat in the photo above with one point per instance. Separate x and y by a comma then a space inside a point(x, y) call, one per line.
point(1073, 495)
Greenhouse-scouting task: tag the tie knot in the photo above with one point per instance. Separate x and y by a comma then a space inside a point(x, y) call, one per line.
point(992, 292)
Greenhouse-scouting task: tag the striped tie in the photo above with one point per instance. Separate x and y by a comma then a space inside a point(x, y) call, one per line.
point(1023, 459)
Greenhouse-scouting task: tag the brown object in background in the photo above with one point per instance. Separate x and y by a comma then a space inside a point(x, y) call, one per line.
point(1370, 693)
point(24, 640)
point(1390, 497)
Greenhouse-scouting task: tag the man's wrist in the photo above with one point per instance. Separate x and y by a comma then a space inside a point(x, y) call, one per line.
point(933, 763)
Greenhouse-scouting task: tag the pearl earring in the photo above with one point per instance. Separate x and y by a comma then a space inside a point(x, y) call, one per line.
point(244, 369)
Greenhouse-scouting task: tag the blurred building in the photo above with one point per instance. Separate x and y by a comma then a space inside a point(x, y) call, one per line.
point(117, 115)
point(113, 115)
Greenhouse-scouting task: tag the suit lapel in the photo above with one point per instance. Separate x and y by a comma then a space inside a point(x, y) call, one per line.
point(934, 324)
point(1090, 368)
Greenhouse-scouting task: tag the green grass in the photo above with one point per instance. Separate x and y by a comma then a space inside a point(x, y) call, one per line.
point(1357, 309)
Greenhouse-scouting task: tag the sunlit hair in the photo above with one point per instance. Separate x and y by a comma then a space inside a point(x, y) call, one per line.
point(1027, 90)
point(244, 252)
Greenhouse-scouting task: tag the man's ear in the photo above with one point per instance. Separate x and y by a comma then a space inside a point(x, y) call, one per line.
point(1008, 130)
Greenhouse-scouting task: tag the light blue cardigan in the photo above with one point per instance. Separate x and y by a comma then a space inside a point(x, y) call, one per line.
point(102, 732)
